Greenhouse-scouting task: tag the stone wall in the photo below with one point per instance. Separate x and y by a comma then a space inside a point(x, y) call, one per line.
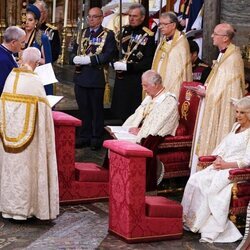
point(237, 13)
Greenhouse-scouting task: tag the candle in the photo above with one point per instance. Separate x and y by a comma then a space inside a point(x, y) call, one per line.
point(54, 12)
point(65, 13)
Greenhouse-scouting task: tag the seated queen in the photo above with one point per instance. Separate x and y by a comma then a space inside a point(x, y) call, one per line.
point(207, 194)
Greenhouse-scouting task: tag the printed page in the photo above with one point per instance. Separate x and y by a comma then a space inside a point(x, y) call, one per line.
point(54, 99)
point(46, 74)
point(118, 129)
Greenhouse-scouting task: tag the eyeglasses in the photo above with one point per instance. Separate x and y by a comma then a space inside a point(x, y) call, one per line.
point(94, 16)
point(164, 24)
point(216, 34)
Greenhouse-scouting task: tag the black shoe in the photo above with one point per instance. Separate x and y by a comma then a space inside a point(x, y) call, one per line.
point(82, 143)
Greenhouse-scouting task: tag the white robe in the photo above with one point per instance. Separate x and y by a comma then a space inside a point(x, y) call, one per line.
point(207, 194)
point(158, 116)
point(28, 176)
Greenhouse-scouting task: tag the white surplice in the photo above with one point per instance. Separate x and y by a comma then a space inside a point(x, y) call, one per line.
point(207, 194)
point(156, 116)
point(28, 176)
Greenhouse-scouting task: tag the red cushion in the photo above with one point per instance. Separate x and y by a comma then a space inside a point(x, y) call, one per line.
point(90, 172)
point(157, 206)
point(208, 158)
point(127, 149)
point(64, 119)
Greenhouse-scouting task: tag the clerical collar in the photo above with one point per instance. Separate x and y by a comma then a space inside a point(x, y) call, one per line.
point(223, 50)
point(169, 38)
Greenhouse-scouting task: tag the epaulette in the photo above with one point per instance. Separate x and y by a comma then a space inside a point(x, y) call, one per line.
point(51, 26)
point(106, 29)
point(148, 31)
point(203, 65)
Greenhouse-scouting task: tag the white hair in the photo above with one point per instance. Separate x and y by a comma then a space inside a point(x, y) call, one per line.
point(31, 55)
point(244, 104)
point(13, 33)
point(152, 77)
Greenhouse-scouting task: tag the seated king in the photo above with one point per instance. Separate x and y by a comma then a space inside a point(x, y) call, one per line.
point(156, 117)
point(158, 113)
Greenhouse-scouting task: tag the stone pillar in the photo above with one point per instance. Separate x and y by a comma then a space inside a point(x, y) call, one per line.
point(211, 19)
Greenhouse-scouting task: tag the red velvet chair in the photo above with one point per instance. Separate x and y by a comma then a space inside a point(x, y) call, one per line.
point(78, 181)
point(133, 216)
point(174, 151)
point(240, 190)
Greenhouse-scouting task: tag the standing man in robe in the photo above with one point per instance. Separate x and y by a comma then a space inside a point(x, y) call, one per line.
point(28, 177)
point(225, 81)
point(138, 47)
point(97, 49)
point(13, 42)
point(172, 58)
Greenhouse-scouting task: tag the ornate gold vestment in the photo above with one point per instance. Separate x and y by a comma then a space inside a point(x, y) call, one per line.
point(173, 62)
point(225, 81)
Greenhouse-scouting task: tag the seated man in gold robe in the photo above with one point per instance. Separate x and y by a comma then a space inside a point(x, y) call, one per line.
point(157, 114)
point(29, 179)
point(156, 117)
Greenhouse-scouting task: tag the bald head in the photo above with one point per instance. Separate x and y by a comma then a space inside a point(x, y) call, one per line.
point(222, 35)
point(226, 29)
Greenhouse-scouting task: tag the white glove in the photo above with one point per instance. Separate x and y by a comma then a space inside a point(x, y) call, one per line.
point(120, 66)
point(82, 60)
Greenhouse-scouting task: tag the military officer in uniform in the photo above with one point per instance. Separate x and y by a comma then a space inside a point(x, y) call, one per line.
point(95, 48)
point(138, 47)
point(49, 29)
point(200, 69)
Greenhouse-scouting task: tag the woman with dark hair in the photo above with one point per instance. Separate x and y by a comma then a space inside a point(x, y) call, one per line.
point(34, 36)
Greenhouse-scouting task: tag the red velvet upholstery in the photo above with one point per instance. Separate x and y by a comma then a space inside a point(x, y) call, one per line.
point(174, 151)
point(91, 172)
point(157, 206)
point(240, 190)
point(127, 207)
point(77, 181)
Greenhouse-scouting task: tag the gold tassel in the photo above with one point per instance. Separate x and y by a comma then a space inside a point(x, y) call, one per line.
point(106, 99)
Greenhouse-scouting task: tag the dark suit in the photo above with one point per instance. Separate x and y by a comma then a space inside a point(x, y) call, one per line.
point(53, 35)
point(200, 71)
point(7, 63)
point(90, 82)
point(127, 95)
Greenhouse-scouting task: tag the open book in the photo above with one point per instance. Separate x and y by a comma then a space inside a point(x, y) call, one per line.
point(54, 99)
point(46, 74)
point(121, 133)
